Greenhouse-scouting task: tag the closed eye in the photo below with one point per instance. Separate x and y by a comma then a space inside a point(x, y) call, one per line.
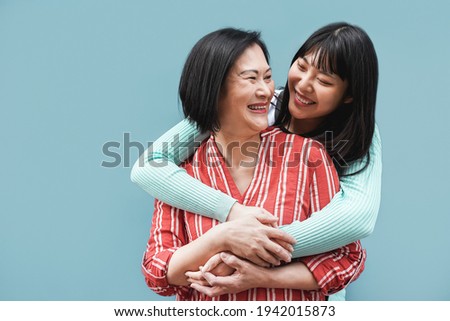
point(324, 82)
point(301, 66)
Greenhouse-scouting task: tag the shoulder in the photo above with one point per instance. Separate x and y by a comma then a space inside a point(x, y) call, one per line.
point(376, 139)
point(314, 147)
point(270, 132)
point(199, 156)
point(285, 143)
point(316, 155)
point(276, 134)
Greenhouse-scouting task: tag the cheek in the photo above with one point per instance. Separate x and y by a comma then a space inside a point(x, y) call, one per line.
point(331, 99)
point(293, 76)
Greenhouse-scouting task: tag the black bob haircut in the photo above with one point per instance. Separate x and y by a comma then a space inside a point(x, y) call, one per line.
point(347, 51)
point(206, 69)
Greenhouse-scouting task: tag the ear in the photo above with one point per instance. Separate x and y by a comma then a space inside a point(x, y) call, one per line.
point(348, 100)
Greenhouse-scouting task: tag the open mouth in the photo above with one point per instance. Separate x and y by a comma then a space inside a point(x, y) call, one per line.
point(260, 108)
point(257, 107)
point(302, 99)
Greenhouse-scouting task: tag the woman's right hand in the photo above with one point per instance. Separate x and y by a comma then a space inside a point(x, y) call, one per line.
point(252, 235)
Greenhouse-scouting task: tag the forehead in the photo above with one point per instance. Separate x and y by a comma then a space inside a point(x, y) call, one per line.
point(314, 58)
point(320, 61)
point(252, 58)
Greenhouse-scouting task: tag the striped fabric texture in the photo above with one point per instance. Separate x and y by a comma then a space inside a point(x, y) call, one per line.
point(294, 177)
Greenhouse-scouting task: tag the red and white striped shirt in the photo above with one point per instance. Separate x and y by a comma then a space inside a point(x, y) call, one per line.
point(294, 177)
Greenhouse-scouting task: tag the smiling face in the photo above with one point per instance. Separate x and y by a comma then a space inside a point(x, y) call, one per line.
point(246, 94)
point(314, 94)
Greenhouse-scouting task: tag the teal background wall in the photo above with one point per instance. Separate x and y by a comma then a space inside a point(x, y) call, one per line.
point(75, 75)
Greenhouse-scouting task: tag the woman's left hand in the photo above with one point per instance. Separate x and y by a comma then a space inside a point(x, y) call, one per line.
point(215, 265)
point(246, 276)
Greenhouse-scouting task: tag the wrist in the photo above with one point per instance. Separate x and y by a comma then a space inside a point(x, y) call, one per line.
point(265, 278)
point(234, 211)
point(269, 278)
point(219, 241)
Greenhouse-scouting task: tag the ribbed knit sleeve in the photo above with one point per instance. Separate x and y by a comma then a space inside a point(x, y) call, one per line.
point(350, 216)
point(156, 172)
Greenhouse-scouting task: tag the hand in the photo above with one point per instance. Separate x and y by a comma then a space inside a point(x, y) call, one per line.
point(246, 276)
point(196, 277)
point(263, 245)
point(239, 211)
point(215, 265)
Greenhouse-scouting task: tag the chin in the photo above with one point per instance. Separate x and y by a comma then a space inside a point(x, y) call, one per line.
point(257, 128)
point(262, 128)
point(297, 113)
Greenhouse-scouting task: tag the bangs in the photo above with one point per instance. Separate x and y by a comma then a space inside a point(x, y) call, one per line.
point(328, 55)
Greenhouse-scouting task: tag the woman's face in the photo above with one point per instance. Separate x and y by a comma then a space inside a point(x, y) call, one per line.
point(246, 94)
point(313, 93)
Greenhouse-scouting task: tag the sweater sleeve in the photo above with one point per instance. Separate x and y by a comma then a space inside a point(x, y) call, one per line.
point(157, 172)
point(351, 214)
point(335, 269)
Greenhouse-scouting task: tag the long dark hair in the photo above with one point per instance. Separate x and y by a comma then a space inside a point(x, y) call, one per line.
point(205, 71)
point(347, 51)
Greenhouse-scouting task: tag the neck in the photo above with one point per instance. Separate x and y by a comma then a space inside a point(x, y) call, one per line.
point(302, 126)
point(237, 148)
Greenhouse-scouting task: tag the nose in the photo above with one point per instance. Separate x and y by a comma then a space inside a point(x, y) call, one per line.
point(305, 83)
point(265, 89)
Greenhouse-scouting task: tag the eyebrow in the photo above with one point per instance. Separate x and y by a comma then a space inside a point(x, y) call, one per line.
point(253, 70)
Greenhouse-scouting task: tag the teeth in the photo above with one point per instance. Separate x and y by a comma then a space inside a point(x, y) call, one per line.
point(304, 101)
point(252, 107)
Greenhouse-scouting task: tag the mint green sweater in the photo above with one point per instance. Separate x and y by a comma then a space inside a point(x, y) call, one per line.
point(350, 216)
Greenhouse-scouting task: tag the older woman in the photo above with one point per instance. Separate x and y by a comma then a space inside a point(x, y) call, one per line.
point(226, 88)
